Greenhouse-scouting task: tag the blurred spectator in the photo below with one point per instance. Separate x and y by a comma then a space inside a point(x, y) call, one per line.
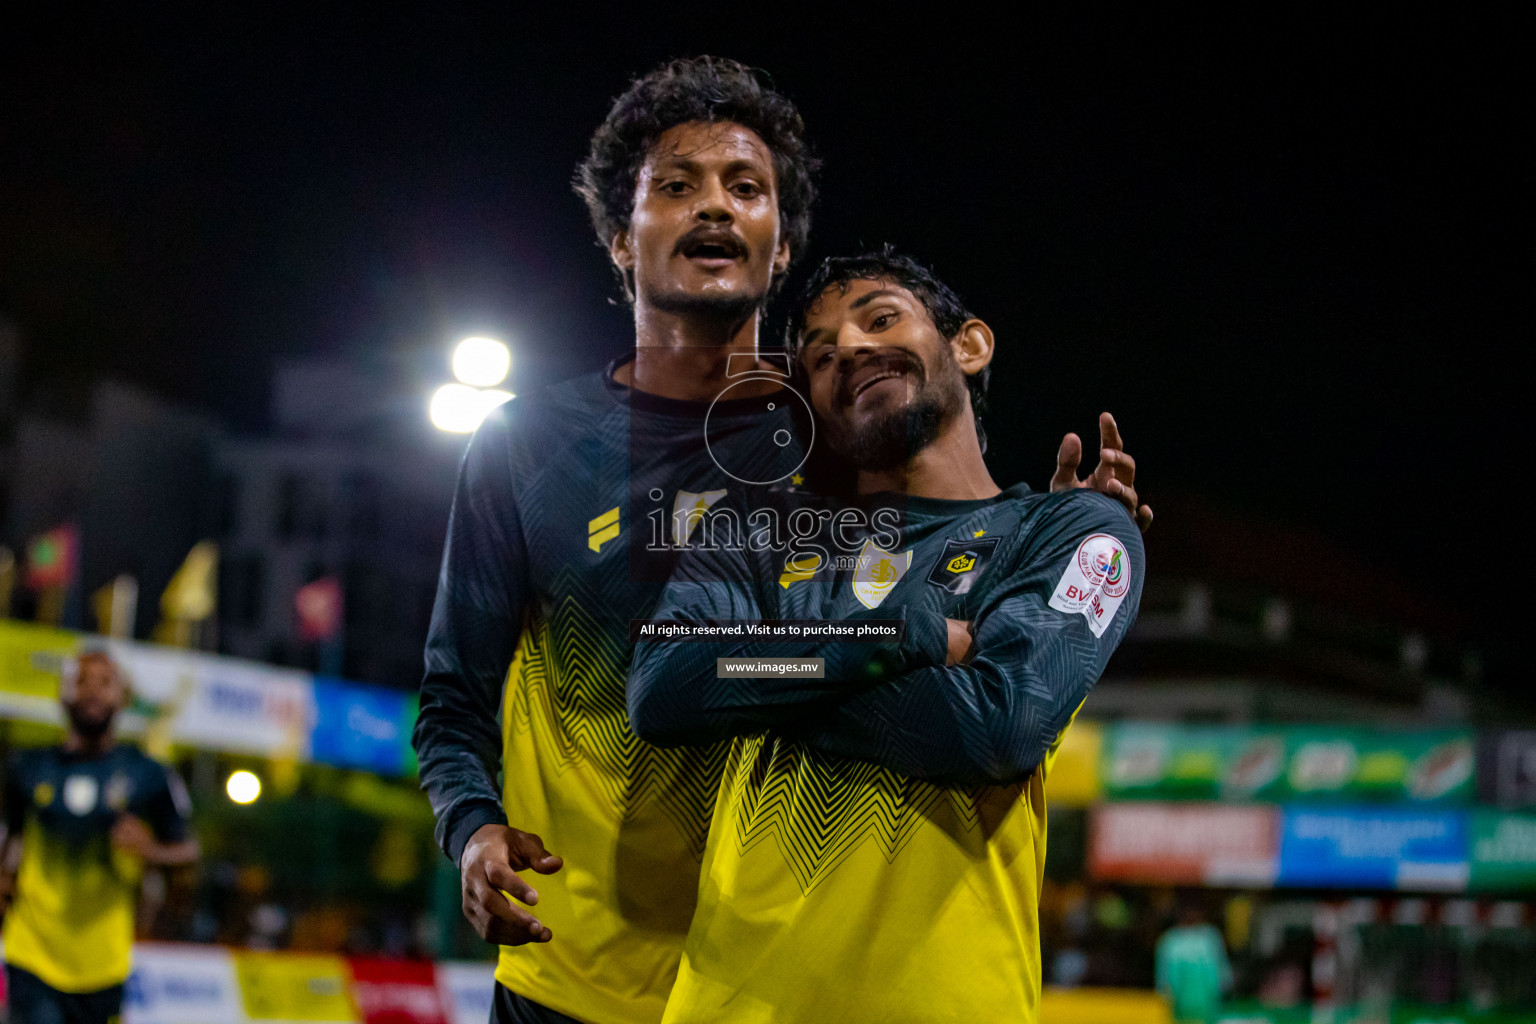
point(1192, 967)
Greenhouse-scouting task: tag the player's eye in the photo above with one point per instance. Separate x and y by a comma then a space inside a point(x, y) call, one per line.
point(673, 188)
point(823, 359)
point(881, 321)
point(747, 188)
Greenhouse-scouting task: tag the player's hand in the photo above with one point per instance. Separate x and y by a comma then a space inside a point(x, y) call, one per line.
point(960, 642)
point(488, 875)
point(131, 835)
point(1114, 476)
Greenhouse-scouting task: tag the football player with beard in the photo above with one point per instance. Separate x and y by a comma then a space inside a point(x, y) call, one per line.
point(878, 840)
point(82, 820)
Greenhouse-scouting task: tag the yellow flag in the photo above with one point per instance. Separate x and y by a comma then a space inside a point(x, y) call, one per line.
point(114, 605)
point(191, 595)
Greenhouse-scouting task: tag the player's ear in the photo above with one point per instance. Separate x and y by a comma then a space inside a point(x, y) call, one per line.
point(781, 257)
point(973, 346)
point(620, 252)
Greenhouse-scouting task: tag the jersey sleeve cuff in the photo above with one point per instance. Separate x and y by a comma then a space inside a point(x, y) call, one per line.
point(925, 642)
point(470, 821)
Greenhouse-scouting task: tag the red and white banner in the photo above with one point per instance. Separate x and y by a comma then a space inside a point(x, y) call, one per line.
point(1185, 844)
point(397, 992)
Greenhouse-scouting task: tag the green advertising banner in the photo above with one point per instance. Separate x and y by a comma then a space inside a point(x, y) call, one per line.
point(1253, 1013)
point(1287, 763)
point(1503, 852)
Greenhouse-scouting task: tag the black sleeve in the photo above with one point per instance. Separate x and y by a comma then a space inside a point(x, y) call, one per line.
point(993, 720)
point(674, 696)
point(16, 798)
point(166, 807)
point(482, 591)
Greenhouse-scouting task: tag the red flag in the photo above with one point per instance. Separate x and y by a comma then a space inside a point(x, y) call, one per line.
point(51, 558)
point(319, 607)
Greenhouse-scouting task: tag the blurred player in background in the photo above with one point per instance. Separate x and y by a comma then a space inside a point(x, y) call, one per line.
point(82, 820)
point(1192, 969)
point(570, 507)
point(876, 854)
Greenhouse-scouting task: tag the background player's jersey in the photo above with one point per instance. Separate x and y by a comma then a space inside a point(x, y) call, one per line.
point(877, 854)
point(570, 507)
point(71, 922)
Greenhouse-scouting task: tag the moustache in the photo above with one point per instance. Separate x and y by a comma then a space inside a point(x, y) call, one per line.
point(710, 235)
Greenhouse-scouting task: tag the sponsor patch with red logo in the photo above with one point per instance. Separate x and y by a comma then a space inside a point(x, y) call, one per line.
point(1095, 581)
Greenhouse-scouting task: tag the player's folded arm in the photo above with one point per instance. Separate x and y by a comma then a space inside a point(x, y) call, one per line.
point(675, 698)
point(482, 591)
point(991, 721)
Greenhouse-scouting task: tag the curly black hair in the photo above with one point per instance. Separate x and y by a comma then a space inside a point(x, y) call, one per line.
point(944, 307)
point(708, 89)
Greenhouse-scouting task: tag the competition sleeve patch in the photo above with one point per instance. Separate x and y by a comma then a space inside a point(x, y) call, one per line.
point(1096, 580)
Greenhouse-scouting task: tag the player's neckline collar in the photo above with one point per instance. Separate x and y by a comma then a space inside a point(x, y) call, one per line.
point(675, 407)
point(915, 505)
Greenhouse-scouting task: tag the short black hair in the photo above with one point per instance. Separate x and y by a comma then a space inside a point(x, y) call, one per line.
point(708, 89)
point(945, 308)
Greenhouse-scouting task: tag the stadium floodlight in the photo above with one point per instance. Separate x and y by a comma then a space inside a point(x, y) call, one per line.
point(243, 787)
point(481, 362)
point(459, 408)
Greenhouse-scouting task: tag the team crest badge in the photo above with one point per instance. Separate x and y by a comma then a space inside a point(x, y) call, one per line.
point(961, 564)
point(80, 792)
point(688, 511)
point(877, 573)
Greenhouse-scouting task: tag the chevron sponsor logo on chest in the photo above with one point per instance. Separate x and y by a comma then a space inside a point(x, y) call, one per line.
point(1095, 581)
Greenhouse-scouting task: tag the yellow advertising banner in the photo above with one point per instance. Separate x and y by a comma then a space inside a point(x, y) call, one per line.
point(30, 658)
point(1074, 779)
point(295, 987)
point(1103, 1006)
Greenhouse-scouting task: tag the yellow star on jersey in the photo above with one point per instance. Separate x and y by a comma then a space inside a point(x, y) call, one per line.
point(797, 479)
point(978, 533)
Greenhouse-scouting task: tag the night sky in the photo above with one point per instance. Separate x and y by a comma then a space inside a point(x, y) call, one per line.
point(1283, 254)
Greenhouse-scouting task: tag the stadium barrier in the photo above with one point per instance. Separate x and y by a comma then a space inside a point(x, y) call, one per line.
point(176, 983)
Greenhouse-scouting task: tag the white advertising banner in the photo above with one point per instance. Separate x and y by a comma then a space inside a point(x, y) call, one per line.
point(174, 983)
point(243, 706)
point(467, 990)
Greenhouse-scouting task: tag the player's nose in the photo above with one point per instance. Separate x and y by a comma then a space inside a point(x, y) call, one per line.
point(713, 203)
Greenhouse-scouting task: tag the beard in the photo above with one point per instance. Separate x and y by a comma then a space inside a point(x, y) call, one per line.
point(891, 438)
point(732, 310)
point(89, 726)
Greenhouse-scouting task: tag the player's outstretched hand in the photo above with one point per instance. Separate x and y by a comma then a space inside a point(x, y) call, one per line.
point(1115, 475)
point(488, 875)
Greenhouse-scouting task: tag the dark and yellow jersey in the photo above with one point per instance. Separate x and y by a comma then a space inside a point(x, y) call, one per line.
point(571, 507)
point(71, 921)
point(876, 854)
